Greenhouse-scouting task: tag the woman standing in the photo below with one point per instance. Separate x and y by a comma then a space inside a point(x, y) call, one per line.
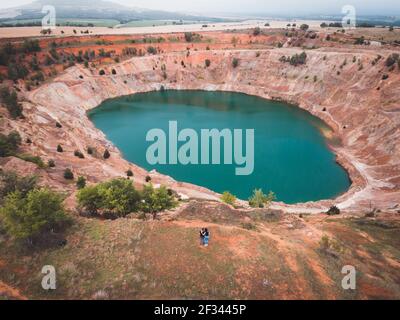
point(206, 237)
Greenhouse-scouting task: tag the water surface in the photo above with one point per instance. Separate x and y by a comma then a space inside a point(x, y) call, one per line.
point(292, 157)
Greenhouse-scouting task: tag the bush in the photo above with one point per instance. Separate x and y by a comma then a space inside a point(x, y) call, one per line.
point(235, 62)
point(261, 200)
point(17, 71)
point(148, 179)
point(10, 182)
point(248, 226)
point(207, 62)
point(256, 31)
point(304, 27)
point(188, 36)
point(30, 46)
point(333, 211)
point(79, 154)
point(151, 50)
point(106, 154)
point(392, 59)
point(330, 246)
point(59, 148)
point(81, 183)
point(113, 71)
point(129, 173)
point(90, 150)
point(10, 100)
point(228, 198)
point(51, 163)
point(102, 72)
point(28, 218)
point(58, 125)
point(68, 174)
point(9, 144)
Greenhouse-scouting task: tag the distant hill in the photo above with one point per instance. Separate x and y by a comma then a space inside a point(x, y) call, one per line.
point(89, 9)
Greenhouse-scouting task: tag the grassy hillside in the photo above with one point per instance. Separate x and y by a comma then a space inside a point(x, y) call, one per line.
point(253, 255)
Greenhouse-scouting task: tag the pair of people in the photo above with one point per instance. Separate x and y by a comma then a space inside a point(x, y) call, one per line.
point(204, 237)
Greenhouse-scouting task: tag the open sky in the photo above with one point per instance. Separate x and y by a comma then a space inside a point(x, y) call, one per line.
point(255, 6)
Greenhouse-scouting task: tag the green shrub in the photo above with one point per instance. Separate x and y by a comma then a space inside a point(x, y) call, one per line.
point(10, 100)
point(248, 226)
point(30, 46)
point(90, 199)
point(304, 27)
point(33, 159)
point(106, 154)
point(188, 36)
point(207, 62)
point(151, 50)
point(235, 62)
point(29, 218)
point(228, 198)
point(79, 154)
point(129, 173)
point(392, 59)
point(9, 144)
point(261, 200)
point(81, 182)
point(256, 31)
point(51, 163)
point(68, 174)
point(11, 182)
point(333, 211)
point(102, 72)
point(148, 179)
point(59, 148)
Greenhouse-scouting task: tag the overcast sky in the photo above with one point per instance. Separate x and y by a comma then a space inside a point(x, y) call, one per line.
point(255, 6)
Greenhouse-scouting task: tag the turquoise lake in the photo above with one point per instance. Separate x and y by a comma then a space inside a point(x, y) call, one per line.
point(292, 157)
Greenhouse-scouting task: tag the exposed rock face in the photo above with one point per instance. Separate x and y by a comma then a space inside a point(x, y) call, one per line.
point(366, 119)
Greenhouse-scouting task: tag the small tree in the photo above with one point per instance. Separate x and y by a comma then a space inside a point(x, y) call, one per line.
point(228, 198)
point(129, 173)
point(235, 62)
point(90, 199)
point(81, 183)
point(156, 200)
point(261, 200)
point(102, 72)
point(68, 174)
point(59, 148)
point(207, 62)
